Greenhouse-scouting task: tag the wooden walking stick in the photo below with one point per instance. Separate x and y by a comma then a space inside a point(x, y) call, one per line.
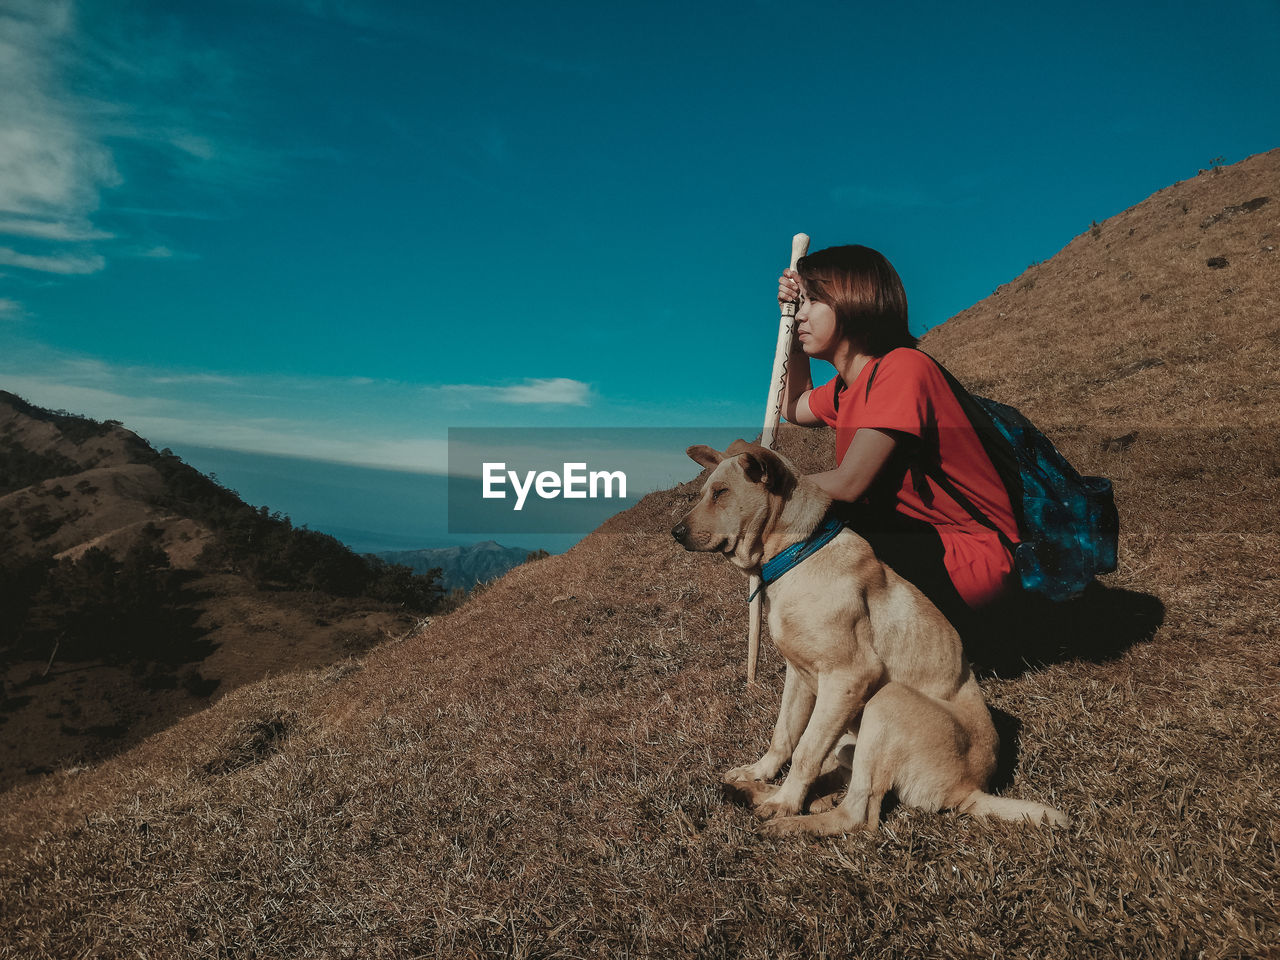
point(772, 413)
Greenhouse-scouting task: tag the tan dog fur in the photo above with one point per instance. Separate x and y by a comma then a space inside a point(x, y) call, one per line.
point(870, 661)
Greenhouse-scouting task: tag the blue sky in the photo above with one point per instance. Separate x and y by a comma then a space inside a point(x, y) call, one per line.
point(328, 230)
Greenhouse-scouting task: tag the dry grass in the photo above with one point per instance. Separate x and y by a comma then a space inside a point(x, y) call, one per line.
point(537, 774)
point(75, 713)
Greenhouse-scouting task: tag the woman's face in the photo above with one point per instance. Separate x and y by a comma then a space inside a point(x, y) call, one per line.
point(815, 326)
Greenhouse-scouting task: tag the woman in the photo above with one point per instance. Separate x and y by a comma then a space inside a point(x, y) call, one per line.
point(896, 421)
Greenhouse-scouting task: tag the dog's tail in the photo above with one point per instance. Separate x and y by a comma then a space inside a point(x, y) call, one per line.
point(1006, 808)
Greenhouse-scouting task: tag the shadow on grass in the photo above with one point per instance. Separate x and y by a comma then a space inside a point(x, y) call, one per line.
point(1029, 633)
point(1009, 728)
point(81, 694)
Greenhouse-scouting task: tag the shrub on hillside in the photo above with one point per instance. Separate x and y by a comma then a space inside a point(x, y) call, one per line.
point(271, 552)
point(397, 583)
point(98, 607)
point(20, 467)
point(21, 579)
point(119, 610)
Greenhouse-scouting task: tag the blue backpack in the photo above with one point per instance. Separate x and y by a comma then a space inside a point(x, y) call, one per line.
point(1067, 523)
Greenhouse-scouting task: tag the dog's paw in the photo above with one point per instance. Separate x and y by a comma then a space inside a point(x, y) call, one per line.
point(828, 824)
point(785, 827)
point(778, 807)
point(746, 772)
point(823, 804)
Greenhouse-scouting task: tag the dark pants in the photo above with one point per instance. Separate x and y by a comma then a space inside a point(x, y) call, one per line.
point(913, 550)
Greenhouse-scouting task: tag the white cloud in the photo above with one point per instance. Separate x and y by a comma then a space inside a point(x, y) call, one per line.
point(200, 147)
point(53, 230)
point(52, 167)
point(160, 252)
point(288, 438)
point(59, 263)
point(85, 92)
point(345, 419)
point(549, 390)
point(560, 390)
point(207, 378)
point(199, 421)
point(9, 308)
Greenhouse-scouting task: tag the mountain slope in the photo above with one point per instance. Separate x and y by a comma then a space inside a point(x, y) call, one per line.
point(537, 773)
point(461, 567)
point(128, 597)
point(1165, 313)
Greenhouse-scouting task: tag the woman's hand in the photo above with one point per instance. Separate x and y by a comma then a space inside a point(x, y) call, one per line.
point(788, 286)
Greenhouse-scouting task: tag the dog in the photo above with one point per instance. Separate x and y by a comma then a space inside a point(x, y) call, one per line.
point(876, 681)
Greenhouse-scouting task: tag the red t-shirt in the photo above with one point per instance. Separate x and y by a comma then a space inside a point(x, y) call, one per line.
point(910, 394)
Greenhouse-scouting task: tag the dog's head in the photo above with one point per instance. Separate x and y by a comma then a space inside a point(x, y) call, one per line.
point(748, 485)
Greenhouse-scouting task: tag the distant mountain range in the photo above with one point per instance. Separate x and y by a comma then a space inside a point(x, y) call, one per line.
point(461, 566)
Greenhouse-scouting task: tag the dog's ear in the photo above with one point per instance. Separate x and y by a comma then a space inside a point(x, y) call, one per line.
point(704, 455)
point(763, 466)
point(737, 447)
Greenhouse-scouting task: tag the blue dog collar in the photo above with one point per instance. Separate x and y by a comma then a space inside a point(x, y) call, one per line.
point(797, 553)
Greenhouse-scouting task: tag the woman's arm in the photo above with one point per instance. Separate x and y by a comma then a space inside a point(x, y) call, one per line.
point(868, 452)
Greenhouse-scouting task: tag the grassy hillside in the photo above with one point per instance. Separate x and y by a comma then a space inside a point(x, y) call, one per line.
point(537, 774)
point(133, 589)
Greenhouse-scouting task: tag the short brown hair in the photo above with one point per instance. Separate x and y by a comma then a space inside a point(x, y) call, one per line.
point(865, 292)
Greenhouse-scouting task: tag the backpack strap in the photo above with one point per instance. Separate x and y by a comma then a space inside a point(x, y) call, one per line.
point(933, 468)
point(841, 385)
point(999, 451)
point(872, 379)
point(835, 397)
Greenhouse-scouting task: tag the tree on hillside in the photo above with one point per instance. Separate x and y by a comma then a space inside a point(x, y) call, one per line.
point(21, 580)
point(126, 610)
point(397, 583)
